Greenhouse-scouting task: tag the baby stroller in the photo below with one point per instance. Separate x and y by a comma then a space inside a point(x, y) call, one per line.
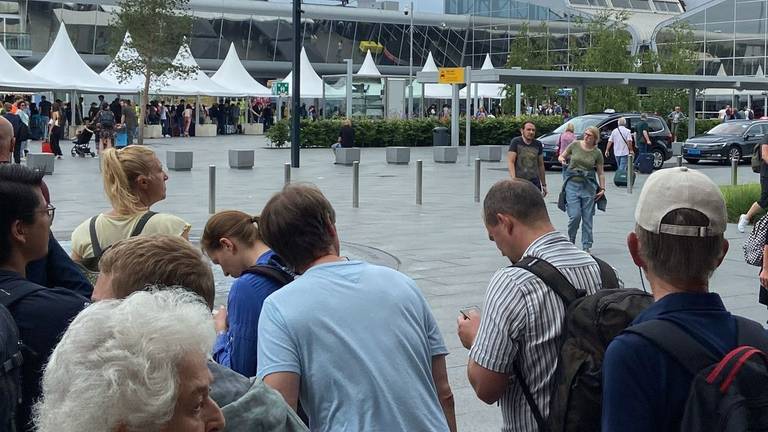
point(82, 146)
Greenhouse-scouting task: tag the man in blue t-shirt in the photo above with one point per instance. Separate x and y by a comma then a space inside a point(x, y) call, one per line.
point(679, 242)
point(356, 343)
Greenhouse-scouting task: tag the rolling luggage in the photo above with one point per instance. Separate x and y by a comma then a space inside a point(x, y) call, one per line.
point(645, 163)
point(620, 178)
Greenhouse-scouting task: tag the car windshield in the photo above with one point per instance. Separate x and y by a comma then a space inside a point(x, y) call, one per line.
point(580, 123)
point(728, 129)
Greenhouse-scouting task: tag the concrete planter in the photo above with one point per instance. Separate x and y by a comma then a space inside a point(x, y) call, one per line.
point(178, 160)
point(490, 153)
point(153, 131)
point(241, 159)
point(42, 162)
point(253, 129)
point(205, 130)
point(446, 154)
point(398, 155)
point(345, 156)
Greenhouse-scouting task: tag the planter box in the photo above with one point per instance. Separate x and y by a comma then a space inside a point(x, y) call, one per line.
point(253, 129)
point(241, 159)
point(178, 160)
point(398, 155)
point(153, 131)
point(491, 153)
point(345, 156)
point(446, 154)
point(42, 162)
point(205, 130)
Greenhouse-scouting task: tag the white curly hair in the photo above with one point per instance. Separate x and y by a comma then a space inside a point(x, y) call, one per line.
point(117, 364)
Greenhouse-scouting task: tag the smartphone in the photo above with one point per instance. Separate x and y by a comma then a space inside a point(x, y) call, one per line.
point(465, 310)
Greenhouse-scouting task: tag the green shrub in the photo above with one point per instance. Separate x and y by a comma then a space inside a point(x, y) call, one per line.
point(278, 134)
point(738, 199)
point(701, 127)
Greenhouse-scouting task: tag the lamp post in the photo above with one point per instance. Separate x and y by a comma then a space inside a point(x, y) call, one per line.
point(410, 66)
point(296, 85)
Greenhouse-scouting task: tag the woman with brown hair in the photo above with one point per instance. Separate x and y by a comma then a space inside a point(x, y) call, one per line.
point(231, 239)
point(55, 131)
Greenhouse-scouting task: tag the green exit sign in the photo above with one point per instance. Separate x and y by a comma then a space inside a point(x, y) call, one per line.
point(280, 88)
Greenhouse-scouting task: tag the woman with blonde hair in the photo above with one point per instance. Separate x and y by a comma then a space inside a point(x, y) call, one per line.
point(346, 135)
point(134, 180)
point(231, 239)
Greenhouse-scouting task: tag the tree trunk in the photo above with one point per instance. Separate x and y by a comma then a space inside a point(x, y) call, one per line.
point(144, 101)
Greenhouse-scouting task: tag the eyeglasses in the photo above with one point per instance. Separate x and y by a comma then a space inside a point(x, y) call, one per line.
point(586, 134)
point(49, 210)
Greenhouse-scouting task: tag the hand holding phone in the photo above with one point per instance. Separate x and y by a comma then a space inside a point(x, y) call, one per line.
point(468, 311)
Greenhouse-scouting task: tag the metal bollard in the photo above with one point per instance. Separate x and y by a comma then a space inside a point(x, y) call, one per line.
point(418, 181)
point(211, 189)
point(630, 172)
point(477, 180)
point(734, 171)
point(679, 160)
point(287, 173)
point(355, 184)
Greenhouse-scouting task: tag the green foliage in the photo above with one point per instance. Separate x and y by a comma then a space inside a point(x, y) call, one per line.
point(738, 199)
point(278, 134)
point(418, 132)
point(528, 50)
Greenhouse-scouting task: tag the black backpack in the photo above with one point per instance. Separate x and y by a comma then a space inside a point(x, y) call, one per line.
point(275, 269)
point(728, 394)
point(591, 322)
point(107, 119)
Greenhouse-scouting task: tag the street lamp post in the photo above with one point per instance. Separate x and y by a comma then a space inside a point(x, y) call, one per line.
point(410, 68)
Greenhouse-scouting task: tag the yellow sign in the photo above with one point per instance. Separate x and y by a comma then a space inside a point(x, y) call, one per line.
point(451, 75)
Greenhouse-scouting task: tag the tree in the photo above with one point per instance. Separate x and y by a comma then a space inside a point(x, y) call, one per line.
point(528, 50)
point(157, 29)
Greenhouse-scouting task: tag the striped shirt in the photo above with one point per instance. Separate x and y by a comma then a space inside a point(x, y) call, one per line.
point(523, 317)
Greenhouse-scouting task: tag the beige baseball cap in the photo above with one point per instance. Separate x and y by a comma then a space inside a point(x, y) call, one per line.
point(677, 188)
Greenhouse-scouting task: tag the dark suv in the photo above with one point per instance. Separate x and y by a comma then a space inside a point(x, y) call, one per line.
point(661, 137)
point(733, 139)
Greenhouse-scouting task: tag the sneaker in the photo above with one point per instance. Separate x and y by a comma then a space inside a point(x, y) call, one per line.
point(743, 222)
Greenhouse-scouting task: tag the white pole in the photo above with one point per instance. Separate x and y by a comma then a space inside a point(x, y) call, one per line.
point(410, 69)
point(349, 88)
point(455, 115)
point(468, 77)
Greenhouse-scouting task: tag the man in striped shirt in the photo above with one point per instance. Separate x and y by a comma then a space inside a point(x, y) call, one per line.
point(523, 318)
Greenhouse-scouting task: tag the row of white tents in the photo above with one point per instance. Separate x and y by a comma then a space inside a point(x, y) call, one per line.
point(62, 68)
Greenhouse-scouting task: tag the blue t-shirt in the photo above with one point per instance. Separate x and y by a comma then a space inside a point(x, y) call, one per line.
point(362, 338)
point(236, 348)
point(645, 389)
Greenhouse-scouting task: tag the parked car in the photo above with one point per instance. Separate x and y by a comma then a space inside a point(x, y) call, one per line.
point(726, 141)
point(661, 137)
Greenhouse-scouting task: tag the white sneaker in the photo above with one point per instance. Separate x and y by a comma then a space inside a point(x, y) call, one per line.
point(743, 222)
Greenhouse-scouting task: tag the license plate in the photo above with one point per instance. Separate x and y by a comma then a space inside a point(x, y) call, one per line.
point(693, 152)
point(547, 155)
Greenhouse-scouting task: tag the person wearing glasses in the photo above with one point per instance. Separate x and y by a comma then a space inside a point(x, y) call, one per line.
point(40, 313)
point(584, 185)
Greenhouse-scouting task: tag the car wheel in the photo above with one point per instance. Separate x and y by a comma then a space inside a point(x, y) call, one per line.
point(734, 153)
point(658, 158)
point(692, 161)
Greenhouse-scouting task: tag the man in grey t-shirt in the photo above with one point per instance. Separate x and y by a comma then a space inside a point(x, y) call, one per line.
point(525, 158)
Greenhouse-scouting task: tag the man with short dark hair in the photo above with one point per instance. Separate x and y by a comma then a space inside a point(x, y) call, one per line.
point(129, 120)
point(678, 241)
point(522, 318)
point(40, 313)
point(525, 158)
point(355, 342)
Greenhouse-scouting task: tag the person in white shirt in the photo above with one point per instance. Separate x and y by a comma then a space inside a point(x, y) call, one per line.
point(621, 141)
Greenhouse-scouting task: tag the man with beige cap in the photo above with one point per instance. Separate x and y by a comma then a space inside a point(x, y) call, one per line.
point(678, 242)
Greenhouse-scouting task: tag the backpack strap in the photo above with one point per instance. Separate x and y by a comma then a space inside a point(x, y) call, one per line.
point(677, 343)
point(272, 272)
point(97, 251)
point(751, 333)
point(607, 274)
point(529, 397)
point(142, 223)
point(551, 277)
point(8, 297)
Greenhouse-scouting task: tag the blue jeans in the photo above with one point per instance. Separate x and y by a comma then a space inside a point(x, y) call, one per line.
point(44, 121)
point(622, 162)
point(580, 197)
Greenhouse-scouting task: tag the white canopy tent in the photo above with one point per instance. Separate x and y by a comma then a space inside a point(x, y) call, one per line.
point(15, 76)
point(196, 84)
point(433, 91)
point(63, 67)
point(368, 69)
point(485, 90)
point(311, 83)
point(232, 75)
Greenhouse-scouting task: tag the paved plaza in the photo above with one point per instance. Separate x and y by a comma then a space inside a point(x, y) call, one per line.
point(442, 243)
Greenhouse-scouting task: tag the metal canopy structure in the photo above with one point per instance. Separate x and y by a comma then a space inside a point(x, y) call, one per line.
point(582, 80)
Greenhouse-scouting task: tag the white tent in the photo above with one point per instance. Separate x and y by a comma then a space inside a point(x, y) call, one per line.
point(232, 75)
point(368, 69)
point(433, 91)
point(485, 90)
point(196, 84)
point(311, 83)
point(63, 66)
point(15, 76)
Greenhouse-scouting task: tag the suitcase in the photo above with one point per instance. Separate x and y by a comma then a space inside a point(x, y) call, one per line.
point(645, 163)
point(121, 139)
point(620, 178)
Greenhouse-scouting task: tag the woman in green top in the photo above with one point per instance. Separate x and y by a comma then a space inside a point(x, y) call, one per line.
point(581, 185)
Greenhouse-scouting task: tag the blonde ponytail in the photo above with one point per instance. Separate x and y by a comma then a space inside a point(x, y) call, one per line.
point(120, 169)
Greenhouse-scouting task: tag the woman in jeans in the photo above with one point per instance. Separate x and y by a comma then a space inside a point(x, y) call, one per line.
point(55, 130)
point(584, 184)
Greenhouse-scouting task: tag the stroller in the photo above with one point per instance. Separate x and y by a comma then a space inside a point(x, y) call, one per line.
point(82, 146)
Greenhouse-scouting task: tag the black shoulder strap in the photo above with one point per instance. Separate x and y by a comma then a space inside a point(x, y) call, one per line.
point(97, 251)
point(607, 274)
point(752, 334)
point(142, 223)
point(275, 273)
point(529, 397)
point(10, 296)
point(677, 343)
point(551, 276)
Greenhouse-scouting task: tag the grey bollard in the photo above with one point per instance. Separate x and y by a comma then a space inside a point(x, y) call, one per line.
point(477, 180)
point(679, 160)
point(286, 173)
point(734, 171)
point(630, 172)
point(419, 183)
point(211, 189)
point(356, 184)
